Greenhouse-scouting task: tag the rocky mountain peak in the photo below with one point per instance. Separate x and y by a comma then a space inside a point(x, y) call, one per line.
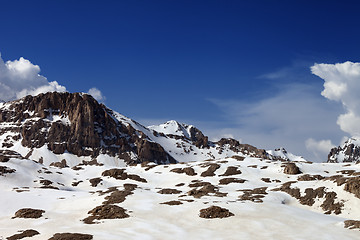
point(78, 124)
point(348, 152)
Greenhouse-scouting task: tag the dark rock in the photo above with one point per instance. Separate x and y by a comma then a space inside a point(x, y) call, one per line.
point(329, 204)
point(106, 212)
point(24, 234)
point(308, 177)
point(29, 213)
point(188, 171)
point(211, 170)
point(171, 203)
point(311, 194)
point(353, 186)
point(215, 212)
point(352, 224)
point(226, 181)
point(292, 169)
point(231, 171)
point(169, 191)
point(4, 170)
point(95, 181)
point(71, 236)
point(61, 164)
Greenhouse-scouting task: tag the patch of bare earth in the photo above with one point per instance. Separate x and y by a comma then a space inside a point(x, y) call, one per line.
point(118, 196)
point(329, 205)
point(95, 181)
point(71, 236)
point(254, 195)
point(231, 171)
point(28, 213)
point(4, 170)
point(105, 212)
point(226, 181)
point(308, 177)
point(205, 190)
point(215, 212)
point(169, 191)
point(120, 174)
point(239, 158)
point(172, 203)
point(23, 234)
point(211, 170)
point(352, 224)
point(188, 171)
point(291, 168)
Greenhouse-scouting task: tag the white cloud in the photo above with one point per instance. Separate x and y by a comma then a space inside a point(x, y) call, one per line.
point(20, 77)
point(286, 119)
point(97, 94)
point(319, 148)
point(342, 84)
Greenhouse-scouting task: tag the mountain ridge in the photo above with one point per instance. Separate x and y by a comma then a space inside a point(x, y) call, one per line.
point(75, 123)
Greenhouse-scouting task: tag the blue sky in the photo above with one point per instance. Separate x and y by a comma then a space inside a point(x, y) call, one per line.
point(215, 64)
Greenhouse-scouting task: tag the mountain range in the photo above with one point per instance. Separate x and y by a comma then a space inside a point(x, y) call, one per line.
point(71, 168)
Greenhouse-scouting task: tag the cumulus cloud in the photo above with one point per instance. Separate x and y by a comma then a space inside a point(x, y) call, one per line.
point(319, 148)
point(342, 84)
point(97, 94)
point(19, 78)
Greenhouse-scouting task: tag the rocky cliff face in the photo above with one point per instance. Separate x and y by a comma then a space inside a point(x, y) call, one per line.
point(78, 124)
point(348, 152)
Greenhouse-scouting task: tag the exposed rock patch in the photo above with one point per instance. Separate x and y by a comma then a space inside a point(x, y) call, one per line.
point(29, 213)
point(308, 177)
point(120, 174)
point(188, 171)
point(211, 170)
point(106, 212)
point(24, 234)
point(215, 212)
point(292, 169)
point(61, 164)
point(71, 236)
point(352, 224)
point(226, 181)
point(169, 191)
point(95, 181)
point(4, 170)
point(231, 171)
point(206, 190)
point(311, 194)
point(353, 186)
point(254, 195)
point(172, 203)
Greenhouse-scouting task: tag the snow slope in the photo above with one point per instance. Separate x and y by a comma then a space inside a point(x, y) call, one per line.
point(267, 214)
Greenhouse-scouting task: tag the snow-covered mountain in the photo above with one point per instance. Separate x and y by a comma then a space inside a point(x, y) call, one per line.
point(72, 169)
point(348, 152)
point(74, 127)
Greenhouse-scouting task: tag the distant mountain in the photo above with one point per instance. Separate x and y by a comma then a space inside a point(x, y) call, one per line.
point(348, 152)
point(74, 127)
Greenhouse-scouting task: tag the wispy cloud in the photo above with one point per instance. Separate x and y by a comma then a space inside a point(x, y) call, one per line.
point(286, 119)
point(97, 94)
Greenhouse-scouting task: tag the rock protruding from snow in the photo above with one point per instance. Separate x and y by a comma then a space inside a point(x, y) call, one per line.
point(281, 153)
point(348, 152)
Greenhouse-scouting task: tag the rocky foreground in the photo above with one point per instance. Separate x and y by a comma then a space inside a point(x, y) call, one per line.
point(232, 198)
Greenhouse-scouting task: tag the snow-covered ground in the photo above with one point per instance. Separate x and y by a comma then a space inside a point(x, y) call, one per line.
point(276, 216)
